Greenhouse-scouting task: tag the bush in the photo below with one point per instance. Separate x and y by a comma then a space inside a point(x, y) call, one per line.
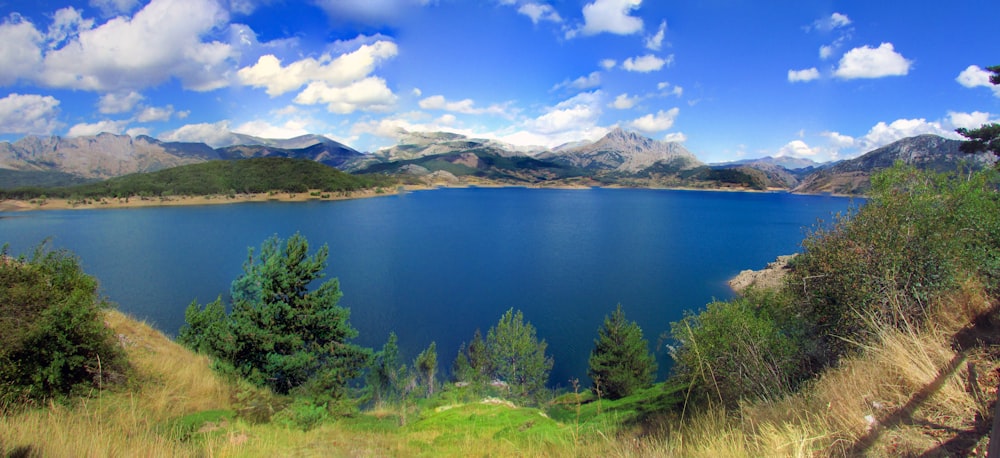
point(738, 350)
point(53, 340)
point(919, 235)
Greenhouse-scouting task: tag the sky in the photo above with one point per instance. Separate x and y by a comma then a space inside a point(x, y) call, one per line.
point(730, 79)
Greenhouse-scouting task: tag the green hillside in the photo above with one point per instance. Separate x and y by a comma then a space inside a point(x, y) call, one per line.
point(255, 175)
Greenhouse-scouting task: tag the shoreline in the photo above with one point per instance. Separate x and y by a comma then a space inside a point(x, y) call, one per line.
point(13, 205)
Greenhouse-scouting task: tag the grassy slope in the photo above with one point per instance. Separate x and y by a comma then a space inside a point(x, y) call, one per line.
point(909, 394)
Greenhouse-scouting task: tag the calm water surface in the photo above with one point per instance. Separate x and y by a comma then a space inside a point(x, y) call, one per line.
point(436, 265)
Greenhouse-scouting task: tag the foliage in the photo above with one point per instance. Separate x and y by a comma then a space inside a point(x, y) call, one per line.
point(386, 373)
point(919, 234)
point(472, 363)
point(736, 350)
point(516, 356)
point(256, 175)
point(620, 362)
point(987, 137)
point(53, 340)
point(279, 333)
point(302, 414)
point(426, 367)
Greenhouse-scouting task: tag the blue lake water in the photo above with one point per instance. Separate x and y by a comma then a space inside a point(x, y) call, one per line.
point(436, 265)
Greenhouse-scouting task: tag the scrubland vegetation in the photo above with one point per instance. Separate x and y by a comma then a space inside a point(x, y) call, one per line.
point(882, 341)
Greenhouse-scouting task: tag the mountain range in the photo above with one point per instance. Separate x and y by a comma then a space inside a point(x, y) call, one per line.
point(620, 157)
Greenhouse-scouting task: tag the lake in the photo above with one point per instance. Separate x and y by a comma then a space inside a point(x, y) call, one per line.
point(437, 265)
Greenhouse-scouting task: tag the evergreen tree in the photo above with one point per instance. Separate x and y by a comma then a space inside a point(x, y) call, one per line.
point(426, 367)
point(472, 363)
point(987, 137)
point(385, 375)
point(620, 362)
point(516, 356)
point(279, 333)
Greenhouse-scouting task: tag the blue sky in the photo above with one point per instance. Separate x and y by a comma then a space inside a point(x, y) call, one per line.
point(731, 79)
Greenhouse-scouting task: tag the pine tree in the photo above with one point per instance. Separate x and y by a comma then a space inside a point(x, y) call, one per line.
point(516, 356)
point(280, 333)
point(385, 375)
point(620, 362)
point(426, 367)
point(987, 137)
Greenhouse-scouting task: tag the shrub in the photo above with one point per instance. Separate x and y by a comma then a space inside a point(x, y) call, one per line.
point(53, 340)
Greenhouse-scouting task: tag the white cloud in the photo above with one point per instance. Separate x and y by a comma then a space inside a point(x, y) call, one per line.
point(676, 137)
point(213, 134)
point(118, 102)
point(611, 16)
point(663, 87)
point(150, 114)
point(264, 129)
point(646, 64)
point(797, 148)
point(85, 129)
point(21, 53)
point(540, 12)
point(658, 122)
point(826, 51)
point(608, 64)
point(972, 120)
point(345, 69)
point(137, 131)
point(582, 83)
point(465, 106)
point(834, 21)
point(809, 74)
point(973, 76)
point(369, 94)
point(28, 114)
point(67, 24)
point(624, 101)
point(162, 41)
point(883, 134)
point(655, 42)
point(579, 111)
point(838, 140)
point(867, 62)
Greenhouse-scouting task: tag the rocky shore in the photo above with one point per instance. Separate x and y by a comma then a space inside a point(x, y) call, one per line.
point(770, 276)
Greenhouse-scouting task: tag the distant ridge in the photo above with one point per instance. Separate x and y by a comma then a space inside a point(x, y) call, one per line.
point(927, 152)
point(622, 151)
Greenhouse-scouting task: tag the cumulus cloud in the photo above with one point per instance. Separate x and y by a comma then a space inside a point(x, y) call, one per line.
point(658, 122)
point(868, 62)
point(67, 24)
point(834, 21)
point(115, 102)
point(608, 64)
point(347, 68)
point(21, 52)
point(465, 106)
point(611, 16)
point(264, 129)
point(655, 42)
point(809, 74)
point(624, 102)
point(972, 120)
point(973, 76)
point(540, 12)
point(369, 94)
point(216, 134)
point(151, 114)
point(581, 110)
point(838, 140)
point(676, 137)
point(883, 134)
point(797, 148)
point(646, 64)
point(28, 114)
point(85, 129)
point(162, 41)
point(582, 83)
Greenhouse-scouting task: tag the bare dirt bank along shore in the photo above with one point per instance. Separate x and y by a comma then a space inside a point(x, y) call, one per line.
point(768, 277)
point(137, 202)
